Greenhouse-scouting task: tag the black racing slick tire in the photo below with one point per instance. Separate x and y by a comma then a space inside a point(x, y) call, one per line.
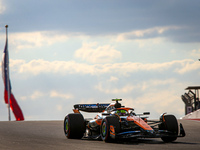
point(105, 128)
point(74, 126)
point(169, 123)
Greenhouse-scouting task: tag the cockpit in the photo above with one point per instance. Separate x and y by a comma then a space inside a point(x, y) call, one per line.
point(120, 112)
point(123, 112)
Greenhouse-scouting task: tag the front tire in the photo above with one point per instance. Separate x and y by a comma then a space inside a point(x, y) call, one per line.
point(74, 126)
point(169, 123)
point(105, 128)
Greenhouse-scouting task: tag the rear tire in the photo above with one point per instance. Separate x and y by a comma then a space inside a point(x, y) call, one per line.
point(105, 128)
point(170, 124)
point(74, 126)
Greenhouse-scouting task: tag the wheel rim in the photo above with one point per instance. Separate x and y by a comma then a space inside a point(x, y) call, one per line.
point(104, 129)
point(66, 126)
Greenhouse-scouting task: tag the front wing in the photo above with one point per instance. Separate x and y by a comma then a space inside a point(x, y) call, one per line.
point(145, 134)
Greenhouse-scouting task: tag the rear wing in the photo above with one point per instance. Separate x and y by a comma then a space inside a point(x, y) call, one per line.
point(90, 107)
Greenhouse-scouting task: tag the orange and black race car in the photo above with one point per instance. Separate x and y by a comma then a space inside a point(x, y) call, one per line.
point(115, 122)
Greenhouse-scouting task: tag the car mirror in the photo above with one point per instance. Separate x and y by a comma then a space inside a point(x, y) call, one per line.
point(105, 114)
point(146, 113)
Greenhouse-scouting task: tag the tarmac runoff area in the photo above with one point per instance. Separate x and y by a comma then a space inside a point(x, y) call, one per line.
point(47, 135)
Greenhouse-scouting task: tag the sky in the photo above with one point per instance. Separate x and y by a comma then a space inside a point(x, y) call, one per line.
point(68, 52)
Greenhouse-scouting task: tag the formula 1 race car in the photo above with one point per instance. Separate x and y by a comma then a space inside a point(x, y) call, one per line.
point(115, 122)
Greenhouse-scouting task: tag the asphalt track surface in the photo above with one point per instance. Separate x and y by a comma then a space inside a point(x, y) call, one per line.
point(47, 135)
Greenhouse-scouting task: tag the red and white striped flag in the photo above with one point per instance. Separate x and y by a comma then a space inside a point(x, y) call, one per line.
point(7, 92)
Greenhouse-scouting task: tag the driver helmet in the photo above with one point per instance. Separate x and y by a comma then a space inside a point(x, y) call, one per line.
point(121, 112)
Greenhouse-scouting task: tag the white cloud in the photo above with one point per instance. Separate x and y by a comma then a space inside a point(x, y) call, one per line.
point(110, 87)
point(52, 94)
point(159, 96)
point(149, 42)
point(23, 98)
point(59, 107)
point(114, 90)
point(36, 95)
point(28, 40)
point(153, 83)
point(113, 79)
point(188, 67)
point(2, 7)
point(55, 94)
point(97, 54)
point(195, 53)
point(162, 101)
point(151, 32)
point(36, 67)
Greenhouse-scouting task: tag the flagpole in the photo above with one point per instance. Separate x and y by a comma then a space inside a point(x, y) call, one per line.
point(8, 79)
